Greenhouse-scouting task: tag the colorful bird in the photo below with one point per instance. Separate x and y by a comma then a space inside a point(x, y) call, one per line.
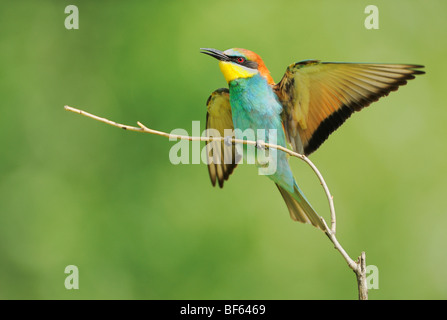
point(310, 102)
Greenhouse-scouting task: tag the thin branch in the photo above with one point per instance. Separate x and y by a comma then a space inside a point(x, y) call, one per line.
point(361, 277)
point(143, 128)
point(358, 267)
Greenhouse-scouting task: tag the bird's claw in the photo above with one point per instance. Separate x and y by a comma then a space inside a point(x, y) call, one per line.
point(260, 144)
point(227, 141)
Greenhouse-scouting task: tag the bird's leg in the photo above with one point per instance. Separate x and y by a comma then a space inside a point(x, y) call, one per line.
point(262, 157)
point(260, 144)
point(227, 141)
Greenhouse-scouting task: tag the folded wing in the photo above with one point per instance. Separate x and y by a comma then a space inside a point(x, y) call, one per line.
point(221, 158)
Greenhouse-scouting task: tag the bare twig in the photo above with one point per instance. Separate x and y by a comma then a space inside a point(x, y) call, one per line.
point(358, 267)
point(361, 277)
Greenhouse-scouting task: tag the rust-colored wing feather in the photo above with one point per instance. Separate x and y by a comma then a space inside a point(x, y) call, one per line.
point(222, 158)
point(319, 96)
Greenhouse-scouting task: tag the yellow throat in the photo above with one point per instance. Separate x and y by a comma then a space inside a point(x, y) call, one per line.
point(232, 71)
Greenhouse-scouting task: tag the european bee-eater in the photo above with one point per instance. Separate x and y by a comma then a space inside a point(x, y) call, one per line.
point(309, 103)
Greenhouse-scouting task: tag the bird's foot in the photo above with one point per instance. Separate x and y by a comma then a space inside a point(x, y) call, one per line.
point(227, 141)
point(260, 144)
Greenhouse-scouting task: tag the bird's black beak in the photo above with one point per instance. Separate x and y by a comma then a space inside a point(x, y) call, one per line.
point(219, 55)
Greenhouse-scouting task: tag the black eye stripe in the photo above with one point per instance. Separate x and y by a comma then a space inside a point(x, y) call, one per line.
point(235, 58)
point(246, 63)
point(251, 64)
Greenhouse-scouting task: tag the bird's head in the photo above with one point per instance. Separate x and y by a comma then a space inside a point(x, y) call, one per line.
point(239, 63)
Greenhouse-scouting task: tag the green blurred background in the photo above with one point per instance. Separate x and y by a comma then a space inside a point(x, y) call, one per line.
point(76, 191)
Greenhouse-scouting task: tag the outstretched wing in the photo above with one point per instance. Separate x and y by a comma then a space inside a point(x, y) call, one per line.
point(222, 158)
point(318, 97)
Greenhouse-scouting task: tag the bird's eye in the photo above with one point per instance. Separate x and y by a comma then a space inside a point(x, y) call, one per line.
point(240, 59)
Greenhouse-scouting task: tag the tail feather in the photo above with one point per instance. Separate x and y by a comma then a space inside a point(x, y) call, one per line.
point(299, 209)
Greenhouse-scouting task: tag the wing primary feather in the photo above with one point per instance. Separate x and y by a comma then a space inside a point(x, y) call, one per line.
point(222, 159)
point(318, 97)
